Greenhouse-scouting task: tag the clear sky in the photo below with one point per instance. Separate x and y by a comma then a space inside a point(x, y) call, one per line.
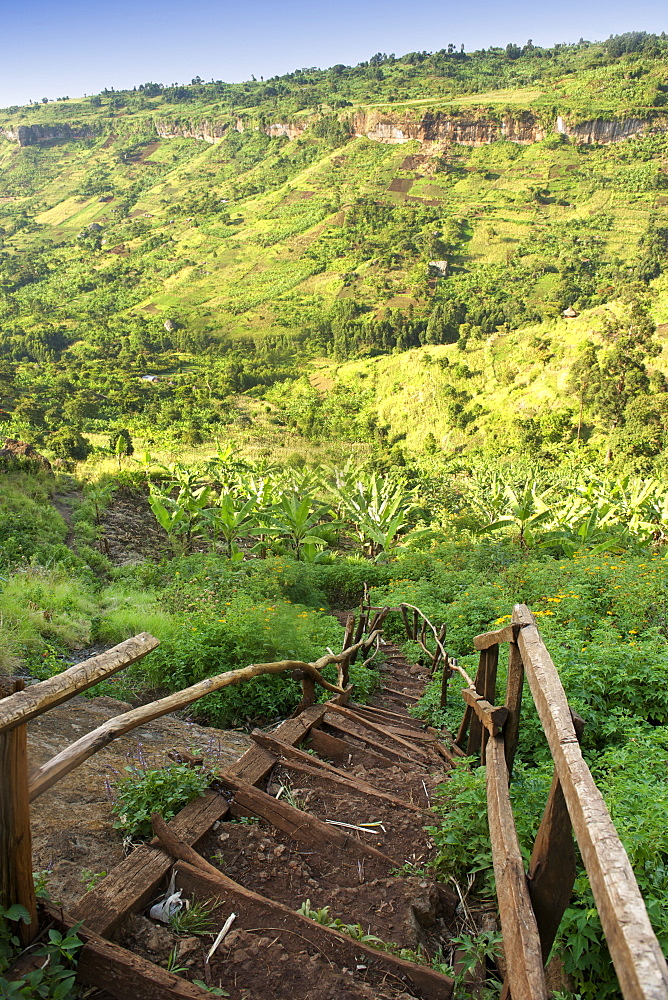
point(70, 47)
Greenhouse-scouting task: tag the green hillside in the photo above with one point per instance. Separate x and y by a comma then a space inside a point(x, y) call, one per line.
point(402, 204)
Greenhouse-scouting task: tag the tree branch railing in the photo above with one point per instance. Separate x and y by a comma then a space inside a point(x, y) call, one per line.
point(450, 664)
point(532, 904)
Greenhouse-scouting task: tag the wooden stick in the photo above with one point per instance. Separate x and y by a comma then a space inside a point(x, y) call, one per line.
point(176, 848)
point(16, 882)
point(64, 762)
point(474, 745)
point(26, 705)
point(521, 941)
point(404, 615)
point(491, 717)
point(514, 685)
point(415, 624)
point(634, 949)
point(489, 689)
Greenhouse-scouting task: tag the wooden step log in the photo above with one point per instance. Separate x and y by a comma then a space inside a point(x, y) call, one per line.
point(114, 969)
point(341, 750)
point(299, 824)
point(398, 718)
point(335, 946)
point(393, 755)
point(135, 881)
point(256, 763)
point(298, 760)
point(376, 727)
point(404, 748)
point(399, 694)
point(137, 878)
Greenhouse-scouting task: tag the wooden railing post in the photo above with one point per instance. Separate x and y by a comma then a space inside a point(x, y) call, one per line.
point(16, 882)
point(485, 685)
point(552, 868)
point(404, 615)
point(514, 686)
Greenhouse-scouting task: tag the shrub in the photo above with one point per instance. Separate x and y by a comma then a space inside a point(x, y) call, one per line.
point(165, 790)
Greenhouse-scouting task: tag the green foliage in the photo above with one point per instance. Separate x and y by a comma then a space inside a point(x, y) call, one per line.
point(55, 979)
point(144, 791)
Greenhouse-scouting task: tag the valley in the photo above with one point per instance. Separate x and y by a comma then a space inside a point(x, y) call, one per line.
point(397, 329)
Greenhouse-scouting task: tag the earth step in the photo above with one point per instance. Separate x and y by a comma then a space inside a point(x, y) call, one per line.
point(297, 823)
point(274, 918)
point(298, 760)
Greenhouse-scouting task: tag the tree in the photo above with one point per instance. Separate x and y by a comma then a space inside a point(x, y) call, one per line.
point(70, 444)
point(120, 444)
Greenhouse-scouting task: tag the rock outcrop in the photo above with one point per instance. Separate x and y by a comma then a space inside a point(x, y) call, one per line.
point(33, 135)
point(473, 130)
point(20, 453)
point(469, 128)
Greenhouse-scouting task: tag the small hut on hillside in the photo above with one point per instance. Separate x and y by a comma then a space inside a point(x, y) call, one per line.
point(570, 313)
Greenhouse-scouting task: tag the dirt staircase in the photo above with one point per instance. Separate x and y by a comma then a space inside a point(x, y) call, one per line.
point(316, 842)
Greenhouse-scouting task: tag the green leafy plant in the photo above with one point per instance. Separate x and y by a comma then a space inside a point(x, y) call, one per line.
point(55, 980)
point(144, 791)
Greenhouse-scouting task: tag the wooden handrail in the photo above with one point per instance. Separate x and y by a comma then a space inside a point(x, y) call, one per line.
point(38, 698)
point(574, 802)
point(634, 949)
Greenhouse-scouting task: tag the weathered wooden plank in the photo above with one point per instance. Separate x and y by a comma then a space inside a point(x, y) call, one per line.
point(488, 639)
point(552, 867)
point(514, 687)
point(521, 941)
point(256, 763)
point(337, 947)
point(634, 949)
point(491, 717)
point(348, 728)
point(136, 879)
point(134, 882)
point(299, 824)
point(121, 973)
point(295, 759)
point(383, 731)
point(26, 705)
point(16, 882)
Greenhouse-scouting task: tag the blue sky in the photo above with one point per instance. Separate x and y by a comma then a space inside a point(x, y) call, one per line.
point(71, 48)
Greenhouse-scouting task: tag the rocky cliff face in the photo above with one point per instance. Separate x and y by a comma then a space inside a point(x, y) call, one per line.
point(33, 135)
point(471, 130)
point(291, 130)
point(600, 132)
point(207, 130)
point(466, 129)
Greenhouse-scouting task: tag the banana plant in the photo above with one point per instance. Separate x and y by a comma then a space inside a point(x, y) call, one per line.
point(525, 510)
point(233, 519)
point(299, 520)
point(181, 516)
point(378, 510)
